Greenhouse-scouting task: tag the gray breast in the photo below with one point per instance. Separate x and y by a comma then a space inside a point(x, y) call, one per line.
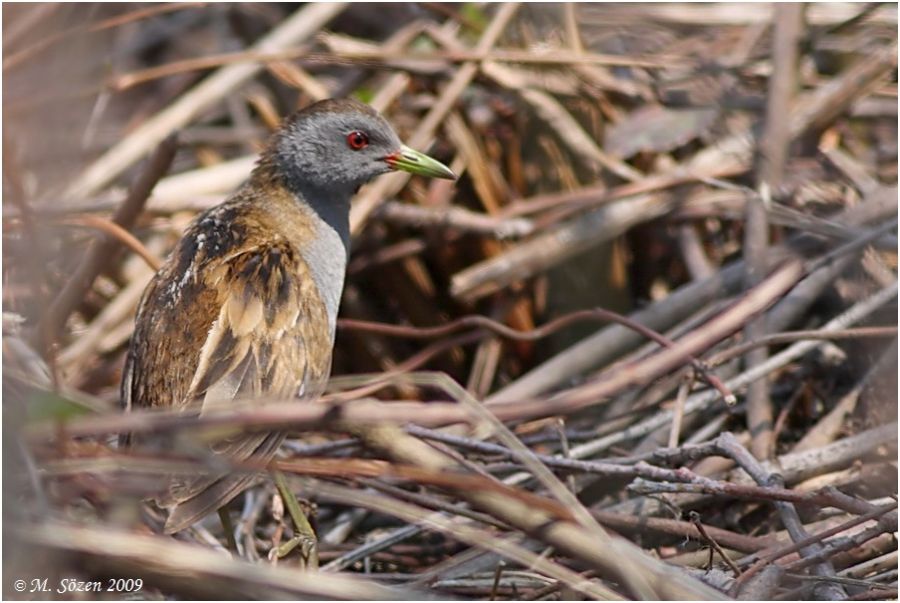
point(326, 256)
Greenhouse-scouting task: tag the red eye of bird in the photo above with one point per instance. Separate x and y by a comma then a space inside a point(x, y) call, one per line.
point(357, 140)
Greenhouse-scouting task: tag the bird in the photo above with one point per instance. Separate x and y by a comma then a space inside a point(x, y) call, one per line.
point(246, 305)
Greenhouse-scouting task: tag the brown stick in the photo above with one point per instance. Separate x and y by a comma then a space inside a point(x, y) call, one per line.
point(695, 519)
point(533, 335)
point(118, 233)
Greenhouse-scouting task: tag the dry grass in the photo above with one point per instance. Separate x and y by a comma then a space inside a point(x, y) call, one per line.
point(721, 181)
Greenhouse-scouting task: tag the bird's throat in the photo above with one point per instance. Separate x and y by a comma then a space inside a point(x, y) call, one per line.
point(327, 251)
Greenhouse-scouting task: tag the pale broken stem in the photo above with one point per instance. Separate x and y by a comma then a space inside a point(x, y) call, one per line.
point(678, 413)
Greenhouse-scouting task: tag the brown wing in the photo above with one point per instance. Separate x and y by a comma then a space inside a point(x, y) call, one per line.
point(270, 335)
point(270, 339)
point(266, 336)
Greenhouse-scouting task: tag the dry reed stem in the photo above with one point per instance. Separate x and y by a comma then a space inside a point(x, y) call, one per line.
point(530, 88)
point(302, 24)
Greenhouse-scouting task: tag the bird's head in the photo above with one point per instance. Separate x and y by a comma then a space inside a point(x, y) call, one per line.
point(339, 145)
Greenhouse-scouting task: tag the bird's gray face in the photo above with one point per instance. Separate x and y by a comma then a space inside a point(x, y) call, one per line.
point(341, 145)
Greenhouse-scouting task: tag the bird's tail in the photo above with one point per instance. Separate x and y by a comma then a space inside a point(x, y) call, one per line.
point(189, 500)
point(185, 513)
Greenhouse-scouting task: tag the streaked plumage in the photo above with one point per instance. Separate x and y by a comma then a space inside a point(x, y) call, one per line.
point(246, 305)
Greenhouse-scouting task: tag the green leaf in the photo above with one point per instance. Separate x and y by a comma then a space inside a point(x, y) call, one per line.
point(364, 94)
point(473, 13)
point(45, 405)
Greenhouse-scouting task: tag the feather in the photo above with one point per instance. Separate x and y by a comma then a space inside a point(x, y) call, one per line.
point(247, 325)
